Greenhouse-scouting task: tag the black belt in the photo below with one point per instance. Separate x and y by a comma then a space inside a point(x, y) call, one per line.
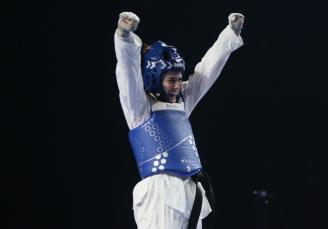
point(204, 179)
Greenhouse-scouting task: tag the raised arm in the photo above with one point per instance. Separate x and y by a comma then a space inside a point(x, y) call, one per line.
point(133, 99)
point(209, 68)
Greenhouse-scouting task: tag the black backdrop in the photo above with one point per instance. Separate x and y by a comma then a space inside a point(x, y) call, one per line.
point(262, 125)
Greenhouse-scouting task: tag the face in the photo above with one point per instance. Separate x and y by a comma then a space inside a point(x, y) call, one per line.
point(172, 85)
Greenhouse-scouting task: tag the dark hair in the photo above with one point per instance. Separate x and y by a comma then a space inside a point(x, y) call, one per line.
point(145, 48)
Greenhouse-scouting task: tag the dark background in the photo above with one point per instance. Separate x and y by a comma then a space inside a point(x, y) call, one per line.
point(262, 125)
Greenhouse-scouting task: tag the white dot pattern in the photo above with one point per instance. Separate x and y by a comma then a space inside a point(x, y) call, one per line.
point(160, 162)
point(158, 134)
point(192, 143)
point(155, 126)
point(163, 144)
point(141, 151)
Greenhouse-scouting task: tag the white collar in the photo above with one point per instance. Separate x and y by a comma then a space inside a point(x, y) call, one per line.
point(158, 105)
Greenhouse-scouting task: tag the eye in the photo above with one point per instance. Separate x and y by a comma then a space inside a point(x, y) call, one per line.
point(173, 81)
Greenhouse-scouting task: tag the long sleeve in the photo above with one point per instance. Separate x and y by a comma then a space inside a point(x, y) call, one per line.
point(134, 101)
point(208, 70)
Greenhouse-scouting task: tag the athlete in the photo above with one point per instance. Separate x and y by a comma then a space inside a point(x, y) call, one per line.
point(174, 191)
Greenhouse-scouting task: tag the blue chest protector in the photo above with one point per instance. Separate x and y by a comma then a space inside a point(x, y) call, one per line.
point(165, 144)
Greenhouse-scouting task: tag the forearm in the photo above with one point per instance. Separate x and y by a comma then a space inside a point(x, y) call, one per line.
point(129, 79)
point(209, 68)
point(211, 65)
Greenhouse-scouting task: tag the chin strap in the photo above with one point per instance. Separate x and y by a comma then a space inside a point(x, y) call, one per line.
point(165, 98)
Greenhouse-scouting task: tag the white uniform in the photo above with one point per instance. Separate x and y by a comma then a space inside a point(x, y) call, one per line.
point(163, 201)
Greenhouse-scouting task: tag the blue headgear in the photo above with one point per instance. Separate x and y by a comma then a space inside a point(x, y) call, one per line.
point(159, 59)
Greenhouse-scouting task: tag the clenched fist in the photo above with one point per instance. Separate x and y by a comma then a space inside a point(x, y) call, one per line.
point(127, 22)
point(236, 22)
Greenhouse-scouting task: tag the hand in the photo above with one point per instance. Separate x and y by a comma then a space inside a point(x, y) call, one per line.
point(127, 22)
point(236, 22)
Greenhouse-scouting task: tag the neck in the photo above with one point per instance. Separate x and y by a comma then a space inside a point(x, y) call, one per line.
point(172, 99)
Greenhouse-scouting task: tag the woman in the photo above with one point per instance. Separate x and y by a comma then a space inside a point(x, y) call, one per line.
point(157, 105)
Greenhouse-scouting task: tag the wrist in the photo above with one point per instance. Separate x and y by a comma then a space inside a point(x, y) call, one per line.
point(236, 31)
point(122, 33)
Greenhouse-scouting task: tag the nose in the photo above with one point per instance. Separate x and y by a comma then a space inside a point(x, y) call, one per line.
point(177, 85)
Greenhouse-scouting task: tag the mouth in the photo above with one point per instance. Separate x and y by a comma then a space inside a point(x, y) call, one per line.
point(173, 93)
